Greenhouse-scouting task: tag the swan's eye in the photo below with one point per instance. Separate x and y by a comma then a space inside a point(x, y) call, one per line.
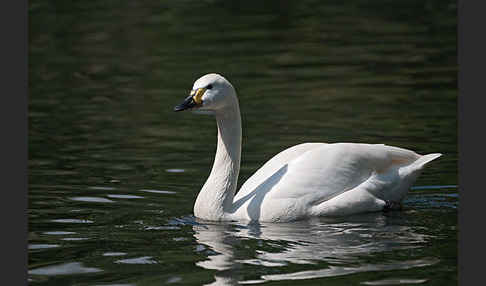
point(210, 86)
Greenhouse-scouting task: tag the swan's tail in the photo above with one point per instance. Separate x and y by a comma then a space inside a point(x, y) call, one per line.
point(422, 161)
point(415, 168)
point(410, 173)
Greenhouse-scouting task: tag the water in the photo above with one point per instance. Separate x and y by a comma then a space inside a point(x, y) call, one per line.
point(114, 172)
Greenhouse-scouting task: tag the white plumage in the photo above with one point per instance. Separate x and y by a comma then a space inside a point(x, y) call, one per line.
point(310, 179)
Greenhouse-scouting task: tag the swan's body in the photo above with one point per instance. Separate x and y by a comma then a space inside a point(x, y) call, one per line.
point(310, 179)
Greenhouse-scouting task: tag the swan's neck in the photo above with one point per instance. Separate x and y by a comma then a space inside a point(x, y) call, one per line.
point(216, 196)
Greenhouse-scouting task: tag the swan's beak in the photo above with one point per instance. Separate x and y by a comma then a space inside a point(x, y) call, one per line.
point(193, 100)
point(188, 103)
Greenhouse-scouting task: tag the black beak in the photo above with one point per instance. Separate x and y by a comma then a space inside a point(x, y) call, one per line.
point(188, 103)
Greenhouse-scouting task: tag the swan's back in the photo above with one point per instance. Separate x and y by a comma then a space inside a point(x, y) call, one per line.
point(332, 169)
point(304, 179)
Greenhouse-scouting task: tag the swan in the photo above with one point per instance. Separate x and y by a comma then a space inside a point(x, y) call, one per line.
point(306, 180)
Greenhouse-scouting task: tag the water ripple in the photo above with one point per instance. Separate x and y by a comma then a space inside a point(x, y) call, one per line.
point(333, 271)
point(116, 196)
point(72, 220)
point(42, 246)
point(63, 269)
point(395, 281)
point(91, 199)
point(137, 260)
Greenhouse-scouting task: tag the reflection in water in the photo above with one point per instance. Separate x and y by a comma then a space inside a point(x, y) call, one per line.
point(331, 246)
point(72, 220)
point(92, 199)
point(59, 232)
point(101, 188)
point(137, 260)
point(114, 253)
point(42, 246)
point(63, 269)
point(214, 236)
point(340, 270)
point(158, 191)
point(395, 282)
point(74, 238)
point(116, 196)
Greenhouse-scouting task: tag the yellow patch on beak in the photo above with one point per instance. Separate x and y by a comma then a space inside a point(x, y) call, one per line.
point(197, 95)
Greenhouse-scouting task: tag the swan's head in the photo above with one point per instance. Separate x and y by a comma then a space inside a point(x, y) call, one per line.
point(210, 93)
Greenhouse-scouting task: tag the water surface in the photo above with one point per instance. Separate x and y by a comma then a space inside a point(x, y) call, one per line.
point(114, 172)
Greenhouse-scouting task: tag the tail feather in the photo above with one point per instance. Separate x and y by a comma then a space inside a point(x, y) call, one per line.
point(422, 161)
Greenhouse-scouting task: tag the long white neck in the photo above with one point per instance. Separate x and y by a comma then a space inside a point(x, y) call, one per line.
point(216, 196)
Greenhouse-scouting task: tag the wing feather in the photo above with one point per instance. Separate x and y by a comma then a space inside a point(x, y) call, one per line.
point(332, 169)
point(274, 165)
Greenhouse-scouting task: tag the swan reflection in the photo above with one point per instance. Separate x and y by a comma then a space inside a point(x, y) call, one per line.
point(330, 247)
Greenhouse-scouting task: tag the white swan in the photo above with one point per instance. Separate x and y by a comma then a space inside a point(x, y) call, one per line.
point(310, 179)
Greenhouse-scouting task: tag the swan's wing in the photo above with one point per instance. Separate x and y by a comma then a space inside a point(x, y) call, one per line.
point(332, 169)
point(274, 165)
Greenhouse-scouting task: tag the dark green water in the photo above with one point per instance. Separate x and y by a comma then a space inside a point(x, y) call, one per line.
point(114, 172)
